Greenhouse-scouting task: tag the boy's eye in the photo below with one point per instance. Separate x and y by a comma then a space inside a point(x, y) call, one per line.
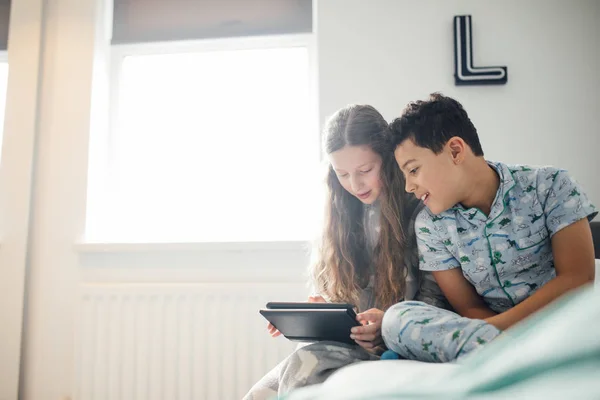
point(342, 175)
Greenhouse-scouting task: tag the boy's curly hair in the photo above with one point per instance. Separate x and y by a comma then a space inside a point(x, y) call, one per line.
point(431, 123)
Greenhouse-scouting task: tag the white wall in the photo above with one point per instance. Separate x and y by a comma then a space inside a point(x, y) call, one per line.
point(389, 52)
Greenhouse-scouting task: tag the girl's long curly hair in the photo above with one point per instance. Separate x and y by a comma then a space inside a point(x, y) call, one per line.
point(342, 266)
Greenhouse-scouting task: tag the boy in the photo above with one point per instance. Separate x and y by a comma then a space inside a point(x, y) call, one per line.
point(502, 241)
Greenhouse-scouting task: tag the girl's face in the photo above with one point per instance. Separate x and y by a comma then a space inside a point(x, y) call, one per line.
point(358, 169)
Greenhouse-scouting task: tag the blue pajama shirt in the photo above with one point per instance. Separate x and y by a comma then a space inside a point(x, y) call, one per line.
point(506, 256)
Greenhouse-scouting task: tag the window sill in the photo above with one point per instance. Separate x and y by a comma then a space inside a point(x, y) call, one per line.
point(95, 247)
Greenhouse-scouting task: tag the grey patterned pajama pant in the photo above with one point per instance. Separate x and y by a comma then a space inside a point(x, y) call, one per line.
point(418, 331)
point(308, 365)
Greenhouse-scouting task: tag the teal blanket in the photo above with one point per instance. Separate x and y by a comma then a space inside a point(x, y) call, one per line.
point(553, 354)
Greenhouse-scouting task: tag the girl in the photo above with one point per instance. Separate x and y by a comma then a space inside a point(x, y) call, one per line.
point(364, 255)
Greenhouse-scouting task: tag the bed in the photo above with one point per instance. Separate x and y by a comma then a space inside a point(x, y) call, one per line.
point(553, 354)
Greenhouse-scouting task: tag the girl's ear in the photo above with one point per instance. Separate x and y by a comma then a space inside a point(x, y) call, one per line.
point(457, 148)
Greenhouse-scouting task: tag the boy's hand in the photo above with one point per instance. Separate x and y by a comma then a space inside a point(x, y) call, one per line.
point(368, 336)
point(462, 295)
point(311, 299)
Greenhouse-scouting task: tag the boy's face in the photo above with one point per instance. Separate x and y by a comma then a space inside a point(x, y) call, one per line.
point(433, 178)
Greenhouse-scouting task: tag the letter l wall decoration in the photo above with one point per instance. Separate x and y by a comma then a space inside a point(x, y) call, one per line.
point(464, 72)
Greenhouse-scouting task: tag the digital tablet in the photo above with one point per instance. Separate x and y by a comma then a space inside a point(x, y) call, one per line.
point(312, 322)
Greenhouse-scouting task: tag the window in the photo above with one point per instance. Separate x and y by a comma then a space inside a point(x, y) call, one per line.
point(209, 141)
point(3, 86)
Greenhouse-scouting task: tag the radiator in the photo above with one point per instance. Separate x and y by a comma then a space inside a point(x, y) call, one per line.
point(179, 341)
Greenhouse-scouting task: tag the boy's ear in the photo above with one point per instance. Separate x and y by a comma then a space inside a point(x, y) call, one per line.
point(457, 149)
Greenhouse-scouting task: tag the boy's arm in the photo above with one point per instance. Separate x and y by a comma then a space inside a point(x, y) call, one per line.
point(567, 210)
point(462, 295)
point(434, 256)
point(573, 253)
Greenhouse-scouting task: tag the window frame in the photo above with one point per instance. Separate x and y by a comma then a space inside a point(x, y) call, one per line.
point(3, 59)
point(117, 55)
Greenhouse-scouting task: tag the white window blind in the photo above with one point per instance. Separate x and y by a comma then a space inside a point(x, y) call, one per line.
point(138, 21)
point(4, 23)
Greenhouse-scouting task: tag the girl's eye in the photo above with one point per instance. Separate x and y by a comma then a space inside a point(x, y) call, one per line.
point(367, 171)
point(413, 171)
point(342, 175)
